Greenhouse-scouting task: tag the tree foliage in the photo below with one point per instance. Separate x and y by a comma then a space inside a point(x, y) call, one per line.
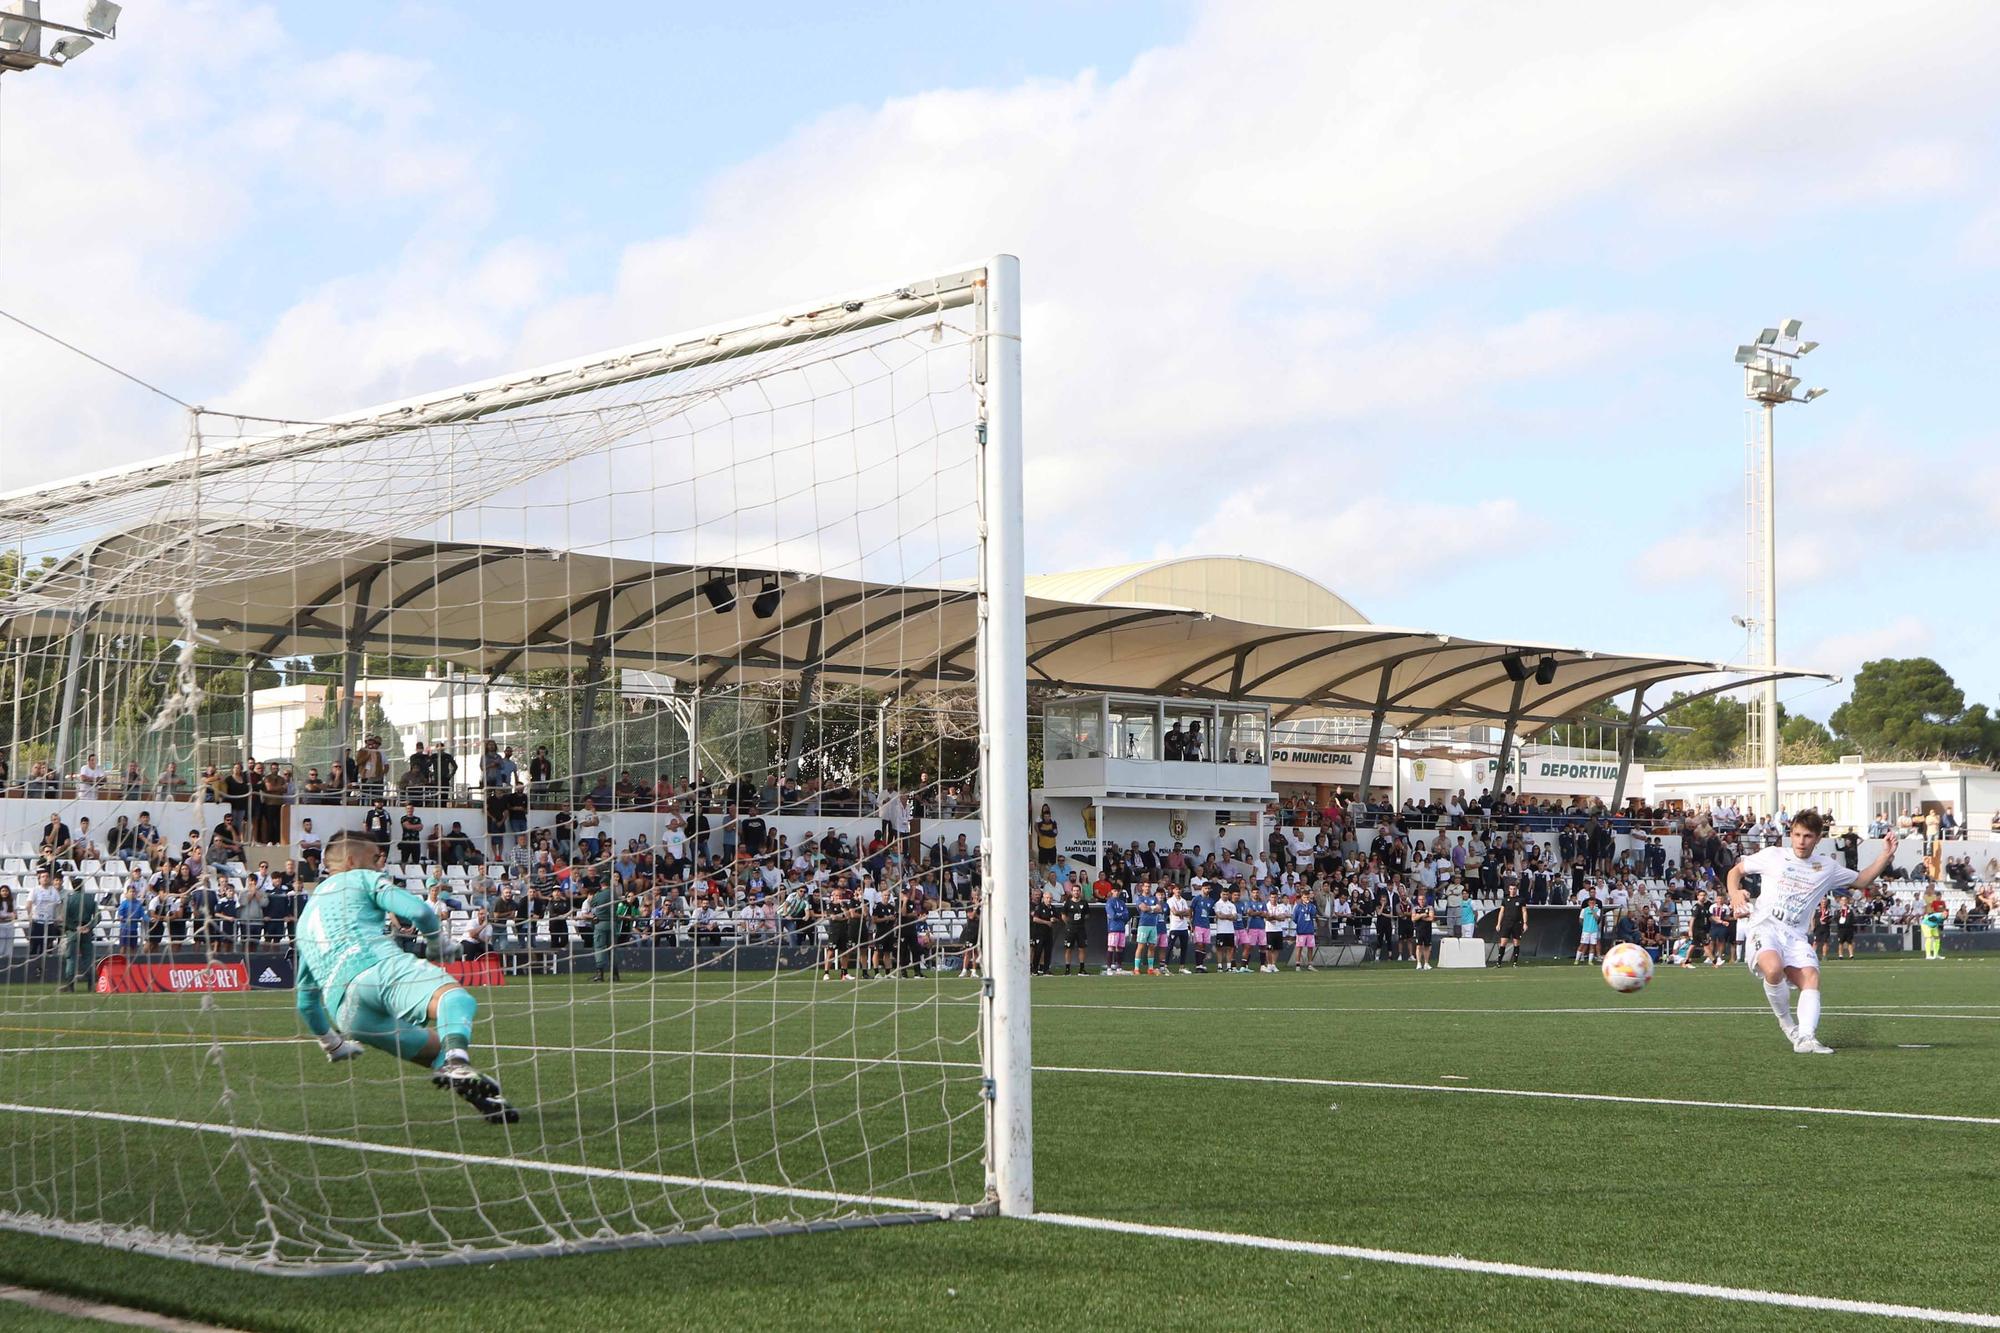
point(1910, 708)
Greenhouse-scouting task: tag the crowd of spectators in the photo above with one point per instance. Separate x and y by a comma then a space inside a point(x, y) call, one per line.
point(501, 783)
point(715, 870)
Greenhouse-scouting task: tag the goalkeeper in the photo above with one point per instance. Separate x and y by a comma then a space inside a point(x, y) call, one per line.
point(356, 987)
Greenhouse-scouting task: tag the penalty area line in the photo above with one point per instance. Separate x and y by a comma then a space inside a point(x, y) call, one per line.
point(1493, 1268)
point(1530, 1093)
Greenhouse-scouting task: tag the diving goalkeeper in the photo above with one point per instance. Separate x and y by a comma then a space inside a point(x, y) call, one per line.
point(356, 987)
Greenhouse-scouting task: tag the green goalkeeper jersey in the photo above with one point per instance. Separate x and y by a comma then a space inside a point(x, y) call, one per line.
point(341, 931)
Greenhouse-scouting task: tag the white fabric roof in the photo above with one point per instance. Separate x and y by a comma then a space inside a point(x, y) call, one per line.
point(501, 608)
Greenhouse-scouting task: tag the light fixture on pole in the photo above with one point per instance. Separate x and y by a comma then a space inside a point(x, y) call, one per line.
point(22, 25)
point(1768, 379)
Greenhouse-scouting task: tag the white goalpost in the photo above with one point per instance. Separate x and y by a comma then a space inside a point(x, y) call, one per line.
point(683, 686)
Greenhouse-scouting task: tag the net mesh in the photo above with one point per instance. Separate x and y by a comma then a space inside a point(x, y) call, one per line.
point(693, 624)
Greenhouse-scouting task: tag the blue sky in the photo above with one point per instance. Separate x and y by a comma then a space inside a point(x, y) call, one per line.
point(1436, 305)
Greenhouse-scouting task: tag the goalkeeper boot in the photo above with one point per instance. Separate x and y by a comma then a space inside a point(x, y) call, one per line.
point(478, 1089)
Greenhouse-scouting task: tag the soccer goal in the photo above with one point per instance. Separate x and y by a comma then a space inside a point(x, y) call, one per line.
point(685, 687)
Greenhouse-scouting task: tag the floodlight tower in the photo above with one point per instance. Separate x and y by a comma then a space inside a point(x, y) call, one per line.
point(22, 24)
point(1768, 379)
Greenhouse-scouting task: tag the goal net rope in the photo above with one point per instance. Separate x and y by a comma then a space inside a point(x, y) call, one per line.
point(660, 666)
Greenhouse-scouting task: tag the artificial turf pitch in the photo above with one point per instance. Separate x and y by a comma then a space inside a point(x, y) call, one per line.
point(1876, 1209)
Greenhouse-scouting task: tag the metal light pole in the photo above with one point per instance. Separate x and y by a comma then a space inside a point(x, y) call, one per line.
point(1768, 380)
point(22, 25)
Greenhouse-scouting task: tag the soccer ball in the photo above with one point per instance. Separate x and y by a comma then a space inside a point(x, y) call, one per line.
point(1627, 968)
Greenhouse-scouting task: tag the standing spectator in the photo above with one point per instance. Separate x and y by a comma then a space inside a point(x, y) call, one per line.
point(541, 773)
point(1075, 920)
point(1511, 926)
point(44, 908)
point(1116, 914)
point(1047, 832)
point(1423, 919)
point(252, 901)
point(1305, 932)
point(8, 915)
point(447, 772)
point(79, 926)
point(131, 920)
point(1590, 921)
point(410, 835)
point(371, 768)
point(376, 824)
point(1846, 919)
point(277, 789)
point(233, 790)
point(589, 831)
point(1042, 914)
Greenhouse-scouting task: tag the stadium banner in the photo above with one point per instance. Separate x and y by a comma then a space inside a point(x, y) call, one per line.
point(484, 970)
point(271, 972)
point(117, 975)
point(1318, 763)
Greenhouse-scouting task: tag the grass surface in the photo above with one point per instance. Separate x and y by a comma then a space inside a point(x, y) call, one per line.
point(1870, 1209)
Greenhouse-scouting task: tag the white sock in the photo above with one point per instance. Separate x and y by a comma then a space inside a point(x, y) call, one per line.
point(1780, 998)
point(1808, 1012)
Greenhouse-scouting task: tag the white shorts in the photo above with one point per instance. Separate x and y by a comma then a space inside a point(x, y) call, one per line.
point(1793, 948)
point(1588, 937)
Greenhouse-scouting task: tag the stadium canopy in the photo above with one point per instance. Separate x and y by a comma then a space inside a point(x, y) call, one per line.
point(496, 609)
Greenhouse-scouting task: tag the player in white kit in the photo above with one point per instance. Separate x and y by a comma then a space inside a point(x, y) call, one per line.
point(1796, 880)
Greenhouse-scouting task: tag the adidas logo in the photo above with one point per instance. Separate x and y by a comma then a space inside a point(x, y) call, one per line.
point(269, 977)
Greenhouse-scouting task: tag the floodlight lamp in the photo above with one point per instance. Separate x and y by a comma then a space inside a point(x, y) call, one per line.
point(765, 604)
point(1767, 337)
point(1545, 671)
point(720, 592)
point(68, 48)
point(1805, 347)
point(1815, 393)
point(1517, 668)
point(1792, 327)
point(101, 16)
point(1745, 354)
point(18, 33)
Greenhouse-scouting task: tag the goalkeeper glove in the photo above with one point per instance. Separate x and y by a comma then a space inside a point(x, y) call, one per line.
point(339, 1048)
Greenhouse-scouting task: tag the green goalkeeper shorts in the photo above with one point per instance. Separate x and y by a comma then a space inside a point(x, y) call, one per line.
point(397, 989)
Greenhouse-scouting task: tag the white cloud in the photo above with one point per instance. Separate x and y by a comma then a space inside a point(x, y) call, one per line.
point(1841, 507)
point(1905, 636)
point(1215, 240)
point(1364, 550)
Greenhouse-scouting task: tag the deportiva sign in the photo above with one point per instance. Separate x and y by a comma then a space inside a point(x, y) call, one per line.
point(116, 976)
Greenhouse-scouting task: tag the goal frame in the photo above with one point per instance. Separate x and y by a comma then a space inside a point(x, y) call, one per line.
point(992, 289)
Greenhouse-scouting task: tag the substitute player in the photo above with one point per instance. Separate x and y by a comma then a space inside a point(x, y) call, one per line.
point(356, 986)
point(1796, 880)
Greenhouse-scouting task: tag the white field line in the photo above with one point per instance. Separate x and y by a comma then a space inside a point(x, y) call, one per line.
point(1275, 1080)
point(1455, 1263)
point(680, 1010)
point(484, 1159)
point(75, 1307)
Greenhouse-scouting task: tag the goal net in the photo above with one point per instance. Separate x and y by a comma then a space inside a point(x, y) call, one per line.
point(664, 679)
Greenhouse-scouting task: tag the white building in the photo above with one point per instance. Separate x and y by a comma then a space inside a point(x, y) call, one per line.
point(458, 709)
point(1851, 792)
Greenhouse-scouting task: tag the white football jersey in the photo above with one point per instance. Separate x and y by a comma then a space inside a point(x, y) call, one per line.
point(1794, 889)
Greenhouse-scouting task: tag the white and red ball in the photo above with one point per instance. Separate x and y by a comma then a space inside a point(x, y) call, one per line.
point(1627, 968)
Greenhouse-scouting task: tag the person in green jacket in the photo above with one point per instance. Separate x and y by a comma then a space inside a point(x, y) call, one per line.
point(603, 908)
point(79, 926)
